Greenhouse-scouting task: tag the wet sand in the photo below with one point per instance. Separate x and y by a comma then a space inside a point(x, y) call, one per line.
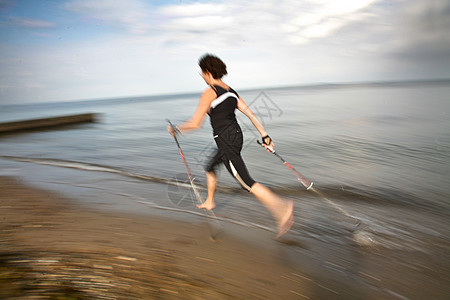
point(53, 248)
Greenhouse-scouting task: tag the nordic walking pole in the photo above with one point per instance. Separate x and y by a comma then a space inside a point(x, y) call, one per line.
point(210, 213)
point(309, 184)
point(303, 180)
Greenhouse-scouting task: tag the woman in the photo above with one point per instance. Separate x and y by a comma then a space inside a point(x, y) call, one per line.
point(219, 101)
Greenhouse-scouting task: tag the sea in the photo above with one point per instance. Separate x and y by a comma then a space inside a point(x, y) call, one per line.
point(378, 152)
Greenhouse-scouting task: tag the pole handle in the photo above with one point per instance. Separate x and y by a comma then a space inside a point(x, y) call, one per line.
point(174, 127)
point(175, 130)
point(270, 149)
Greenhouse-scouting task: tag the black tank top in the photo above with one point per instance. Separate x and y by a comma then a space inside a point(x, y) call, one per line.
point(222, 109)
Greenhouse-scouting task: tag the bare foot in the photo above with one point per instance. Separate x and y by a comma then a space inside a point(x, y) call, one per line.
point(208, 205)
point(287, 221)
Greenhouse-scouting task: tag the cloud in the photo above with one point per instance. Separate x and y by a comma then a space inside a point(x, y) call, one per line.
point(425, 28)
point(193, 9)
point(31, 23)
point(198, 24)
point(411, 38)
point(5, 4)
point(320, 19)
point(223, 22)
point(132, 16)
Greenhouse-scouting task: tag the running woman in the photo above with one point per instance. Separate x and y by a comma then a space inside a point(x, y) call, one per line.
point(220, 101)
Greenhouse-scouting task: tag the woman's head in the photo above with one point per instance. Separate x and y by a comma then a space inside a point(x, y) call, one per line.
point(213, 65)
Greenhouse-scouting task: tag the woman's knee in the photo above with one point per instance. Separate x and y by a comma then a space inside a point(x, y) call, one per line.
point(211, 175)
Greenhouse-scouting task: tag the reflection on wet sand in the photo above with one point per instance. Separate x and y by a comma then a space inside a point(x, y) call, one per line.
point(52, 248)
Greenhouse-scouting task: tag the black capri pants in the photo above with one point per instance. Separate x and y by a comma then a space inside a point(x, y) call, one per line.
point(229, 143)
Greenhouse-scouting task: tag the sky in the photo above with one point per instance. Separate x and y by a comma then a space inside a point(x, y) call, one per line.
point(65, 50)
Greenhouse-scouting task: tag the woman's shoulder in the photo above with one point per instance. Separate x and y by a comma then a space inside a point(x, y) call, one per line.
point(209, 92)
point(219, 90)
point(233, 91)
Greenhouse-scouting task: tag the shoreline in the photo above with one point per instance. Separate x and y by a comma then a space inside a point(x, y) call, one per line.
point(54, 247)
point(51, 246)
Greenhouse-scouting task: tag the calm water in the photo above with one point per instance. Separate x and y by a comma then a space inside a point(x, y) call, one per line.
point(361, 144)
point(383, 140)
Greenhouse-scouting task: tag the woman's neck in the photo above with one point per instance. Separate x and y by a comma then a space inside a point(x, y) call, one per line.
point(220, 83)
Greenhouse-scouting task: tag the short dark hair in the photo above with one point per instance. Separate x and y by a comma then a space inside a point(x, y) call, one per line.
point(212, 64)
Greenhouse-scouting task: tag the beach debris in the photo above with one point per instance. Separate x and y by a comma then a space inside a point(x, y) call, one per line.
point(298, 294)
point(364, 238)
point(204, 259)
point(126, 258)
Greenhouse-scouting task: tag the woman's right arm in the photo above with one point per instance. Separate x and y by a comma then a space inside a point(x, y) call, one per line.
point(195, 122)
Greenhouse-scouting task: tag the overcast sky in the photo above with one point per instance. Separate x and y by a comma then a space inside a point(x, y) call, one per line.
point(54, 50)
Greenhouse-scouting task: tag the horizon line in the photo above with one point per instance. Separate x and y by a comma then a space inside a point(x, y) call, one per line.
point(273, 88)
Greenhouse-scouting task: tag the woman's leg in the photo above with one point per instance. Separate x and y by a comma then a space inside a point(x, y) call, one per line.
point(281, 209)
point(211, 182)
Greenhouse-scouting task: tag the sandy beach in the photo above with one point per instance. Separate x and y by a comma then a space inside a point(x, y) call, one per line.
point(53, 248)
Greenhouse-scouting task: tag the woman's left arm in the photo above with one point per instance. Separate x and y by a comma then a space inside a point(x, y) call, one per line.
point(248, 112)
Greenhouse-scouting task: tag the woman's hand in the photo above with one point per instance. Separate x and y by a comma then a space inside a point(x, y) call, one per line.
point(173, 130)
point(268, 143)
